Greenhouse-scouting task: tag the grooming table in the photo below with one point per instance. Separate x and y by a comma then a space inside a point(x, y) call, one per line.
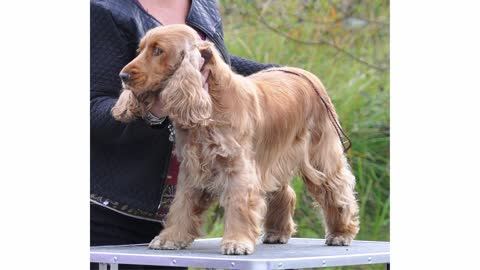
point(205, 253)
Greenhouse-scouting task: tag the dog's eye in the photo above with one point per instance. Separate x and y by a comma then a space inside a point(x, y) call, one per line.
point(157, 51)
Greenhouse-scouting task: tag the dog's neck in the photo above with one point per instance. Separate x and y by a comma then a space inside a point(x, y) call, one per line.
point(234, 98)
point(227, 89)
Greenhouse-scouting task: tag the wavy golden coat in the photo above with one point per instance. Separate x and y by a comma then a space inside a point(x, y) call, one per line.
point(241, 142)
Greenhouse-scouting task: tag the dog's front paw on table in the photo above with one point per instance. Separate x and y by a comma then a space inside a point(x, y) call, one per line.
point(237, 248)
point(338, 240)
point(160, 242)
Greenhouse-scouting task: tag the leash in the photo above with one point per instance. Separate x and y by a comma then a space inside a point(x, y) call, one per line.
point(207, 55)
point(332, 118)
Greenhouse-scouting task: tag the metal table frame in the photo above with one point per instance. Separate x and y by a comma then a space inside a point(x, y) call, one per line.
point(205, 253)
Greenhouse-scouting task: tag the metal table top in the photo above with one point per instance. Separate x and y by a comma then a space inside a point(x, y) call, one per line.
point(205, 253)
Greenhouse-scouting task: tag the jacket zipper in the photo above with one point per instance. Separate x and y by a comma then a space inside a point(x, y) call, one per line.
point(165, 172)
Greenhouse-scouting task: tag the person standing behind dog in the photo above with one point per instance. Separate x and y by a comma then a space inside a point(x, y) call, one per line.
point(132, 171)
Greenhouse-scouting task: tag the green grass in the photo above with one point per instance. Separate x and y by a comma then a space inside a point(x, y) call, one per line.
point(360, 92)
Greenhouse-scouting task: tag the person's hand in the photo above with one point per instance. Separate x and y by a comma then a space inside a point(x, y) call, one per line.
point(205, 74)
point(157, 108)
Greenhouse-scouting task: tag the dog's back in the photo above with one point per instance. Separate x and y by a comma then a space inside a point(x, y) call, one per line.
point(294, 126)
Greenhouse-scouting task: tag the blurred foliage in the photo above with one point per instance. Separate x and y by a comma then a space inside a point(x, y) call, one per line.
point(346, 44)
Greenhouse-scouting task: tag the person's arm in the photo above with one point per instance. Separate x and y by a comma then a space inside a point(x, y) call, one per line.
point(110, 50)
point(247, 67)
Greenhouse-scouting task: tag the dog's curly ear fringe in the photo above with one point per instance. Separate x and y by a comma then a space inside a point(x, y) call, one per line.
point(126, 108)
point(186, 102)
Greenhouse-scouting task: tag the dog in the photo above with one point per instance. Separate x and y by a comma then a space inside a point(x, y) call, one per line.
point(240, 143)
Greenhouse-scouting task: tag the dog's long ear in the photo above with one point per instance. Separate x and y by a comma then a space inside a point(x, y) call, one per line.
point(125, 109)
point(186, 102)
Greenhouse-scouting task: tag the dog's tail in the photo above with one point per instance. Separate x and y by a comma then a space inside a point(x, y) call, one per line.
point(330, 111)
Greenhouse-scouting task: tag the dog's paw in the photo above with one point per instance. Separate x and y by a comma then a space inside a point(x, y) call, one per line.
point(275, 238)
point(161, 242)
point(237, 248)
point(338, 240)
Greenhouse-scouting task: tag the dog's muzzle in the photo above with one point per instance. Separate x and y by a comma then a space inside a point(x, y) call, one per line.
point(125, 77)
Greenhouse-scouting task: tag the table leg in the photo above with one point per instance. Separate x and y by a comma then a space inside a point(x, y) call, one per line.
point(104, 266)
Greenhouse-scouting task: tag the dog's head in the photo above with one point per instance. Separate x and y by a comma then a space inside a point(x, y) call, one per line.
point(168, 63)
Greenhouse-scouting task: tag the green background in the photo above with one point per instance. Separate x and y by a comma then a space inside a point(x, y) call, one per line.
point(346, 44)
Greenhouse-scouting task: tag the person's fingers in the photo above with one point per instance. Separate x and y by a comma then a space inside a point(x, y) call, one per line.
point(205, 87)
point(205, 75)
point(202, 61)
point(157, 107)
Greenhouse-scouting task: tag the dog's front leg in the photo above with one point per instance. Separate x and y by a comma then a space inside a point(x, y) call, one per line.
point(184, 219)
point(244, 206)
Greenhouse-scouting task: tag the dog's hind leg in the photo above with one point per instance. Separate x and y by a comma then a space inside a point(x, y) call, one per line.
point(340, 209)
point(279, 225)
point(334, 190)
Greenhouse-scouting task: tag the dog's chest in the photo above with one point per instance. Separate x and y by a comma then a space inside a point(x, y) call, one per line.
point(208, 156)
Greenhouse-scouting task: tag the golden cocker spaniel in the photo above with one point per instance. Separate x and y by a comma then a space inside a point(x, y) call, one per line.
point(241, 142)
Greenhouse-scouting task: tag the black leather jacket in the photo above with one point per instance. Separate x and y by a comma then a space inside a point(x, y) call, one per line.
point(129, 162)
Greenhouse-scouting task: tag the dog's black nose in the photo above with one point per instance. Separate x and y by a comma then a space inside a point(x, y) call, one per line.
point(124, 76)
